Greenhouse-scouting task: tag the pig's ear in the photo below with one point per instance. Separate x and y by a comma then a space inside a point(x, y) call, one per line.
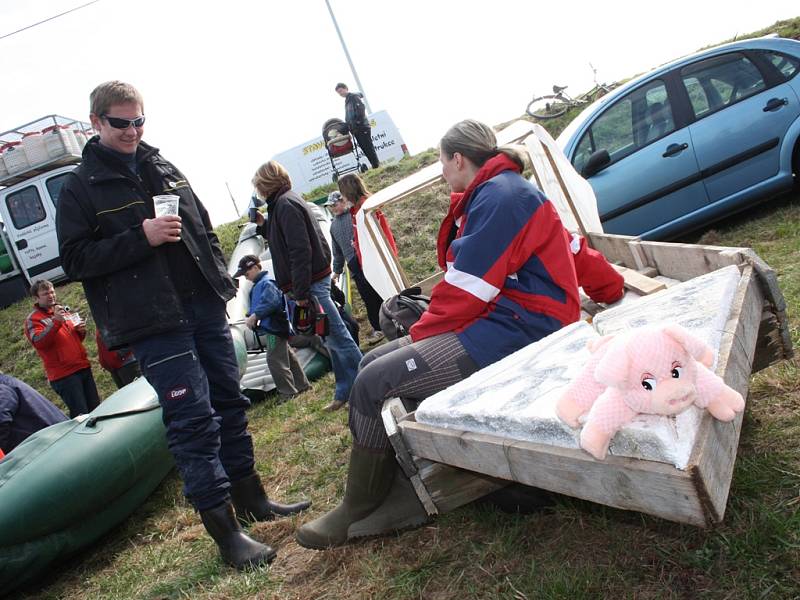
point(696, 348)
point(613, 367)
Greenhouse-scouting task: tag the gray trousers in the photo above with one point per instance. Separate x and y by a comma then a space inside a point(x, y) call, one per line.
point(286, 371)
point(411, 371)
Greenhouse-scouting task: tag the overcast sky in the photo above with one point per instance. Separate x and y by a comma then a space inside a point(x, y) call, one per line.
point(229, 84)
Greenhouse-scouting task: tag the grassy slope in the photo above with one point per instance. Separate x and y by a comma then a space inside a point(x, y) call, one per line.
point(577, 550)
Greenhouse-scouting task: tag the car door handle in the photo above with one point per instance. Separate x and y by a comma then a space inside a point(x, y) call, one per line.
point(22, 244)
point(775, 104)
point(674, 149)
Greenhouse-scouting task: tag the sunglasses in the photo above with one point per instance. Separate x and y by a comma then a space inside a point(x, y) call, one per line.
point(118, 123)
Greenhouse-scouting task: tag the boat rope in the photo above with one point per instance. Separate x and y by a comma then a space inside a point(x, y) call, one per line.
point(91, 422)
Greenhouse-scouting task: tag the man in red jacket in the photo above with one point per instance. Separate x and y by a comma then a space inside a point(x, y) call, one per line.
point(57, 335)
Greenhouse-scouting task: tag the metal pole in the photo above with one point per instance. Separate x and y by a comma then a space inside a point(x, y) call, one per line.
point(236, 208)
point(349, 60)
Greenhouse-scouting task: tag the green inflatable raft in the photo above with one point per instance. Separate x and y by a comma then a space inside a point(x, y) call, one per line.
point(68, 484)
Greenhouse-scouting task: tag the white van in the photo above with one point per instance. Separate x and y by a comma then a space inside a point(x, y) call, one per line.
point(28, 242)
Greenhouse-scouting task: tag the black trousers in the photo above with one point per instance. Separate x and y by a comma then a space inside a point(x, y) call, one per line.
point(372, 301)
point(364, 138)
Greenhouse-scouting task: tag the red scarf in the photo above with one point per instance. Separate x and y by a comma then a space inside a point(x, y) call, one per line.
point(448, 231)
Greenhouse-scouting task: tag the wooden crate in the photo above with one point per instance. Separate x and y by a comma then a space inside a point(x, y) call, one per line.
point(445, 463)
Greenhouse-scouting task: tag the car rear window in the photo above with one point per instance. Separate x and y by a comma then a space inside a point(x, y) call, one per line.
point(715, 83)
point(786, 65)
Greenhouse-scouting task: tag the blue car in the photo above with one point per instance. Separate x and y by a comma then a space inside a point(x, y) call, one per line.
point(693, 141)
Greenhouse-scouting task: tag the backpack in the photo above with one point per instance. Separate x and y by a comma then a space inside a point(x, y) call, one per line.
point(400, 312)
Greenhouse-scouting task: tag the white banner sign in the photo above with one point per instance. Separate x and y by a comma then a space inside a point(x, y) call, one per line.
point(309, 164)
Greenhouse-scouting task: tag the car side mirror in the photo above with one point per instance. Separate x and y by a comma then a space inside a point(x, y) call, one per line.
point(598, 161)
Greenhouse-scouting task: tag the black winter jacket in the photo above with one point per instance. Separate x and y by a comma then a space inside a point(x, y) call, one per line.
point(355, 114)
point(99, 223)
point(300, 252)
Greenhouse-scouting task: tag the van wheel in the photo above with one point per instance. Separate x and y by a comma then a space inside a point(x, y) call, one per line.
point(335, 177)
point(364, 168)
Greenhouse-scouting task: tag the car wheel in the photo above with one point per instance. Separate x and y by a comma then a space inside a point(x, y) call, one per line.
point(796, 165)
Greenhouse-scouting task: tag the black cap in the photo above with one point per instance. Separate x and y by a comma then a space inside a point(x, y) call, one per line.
point(247, 261)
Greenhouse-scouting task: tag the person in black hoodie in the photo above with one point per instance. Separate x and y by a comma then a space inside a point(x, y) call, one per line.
point(159, 285)
point(355, 115)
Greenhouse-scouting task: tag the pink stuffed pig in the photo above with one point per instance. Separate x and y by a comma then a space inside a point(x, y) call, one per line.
point(657, 370)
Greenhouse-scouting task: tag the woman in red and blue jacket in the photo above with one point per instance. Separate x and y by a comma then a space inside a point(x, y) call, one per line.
point(509, 281)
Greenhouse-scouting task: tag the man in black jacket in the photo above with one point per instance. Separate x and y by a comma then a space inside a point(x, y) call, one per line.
point(159, 285)
point(356, 118)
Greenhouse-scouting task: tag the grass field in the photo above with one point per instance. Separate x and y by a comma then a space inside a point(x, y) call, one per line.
point(572, 550)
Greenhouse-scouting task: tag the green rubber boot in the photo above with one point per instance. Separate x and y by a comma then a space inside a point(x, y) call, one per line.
point(400, 510)
point(368, 481)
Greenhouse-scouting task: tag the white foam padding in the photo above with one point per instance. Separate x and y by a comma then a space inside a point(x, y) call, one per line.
point(515, 397)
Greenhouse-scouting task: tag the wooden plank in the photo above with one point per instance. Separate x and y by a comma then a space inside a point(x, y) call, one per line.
point(641, 284)
point(392, 413)
point(714, 454)
point(686, 261)
point(427, 284)
point(515, 132)
point(616, 248)
point(440, 488)
point(645, 486)
point(576, 215)
point(451, 488)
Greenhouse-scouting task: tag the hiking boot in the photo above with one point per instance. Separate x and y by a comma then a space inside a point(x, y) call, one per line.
point(369, 478)
point(235, 546)
point(400, 510)
point(335, 405)
point(252, 504)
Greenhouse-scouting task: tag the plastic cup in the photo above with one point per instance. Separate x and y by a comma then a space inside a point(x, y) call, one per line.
point(166, 204)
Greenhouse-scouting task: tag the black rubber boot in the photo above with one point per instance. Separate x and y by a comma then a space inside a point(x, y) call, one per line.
point(368, 480)
point(236, 548)
point(252, 504)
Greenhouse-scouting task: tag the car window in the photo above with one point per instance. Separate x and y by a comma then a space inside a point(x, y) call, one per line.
point(715, 83)
point(632, 122)
point(54, 185)
point(25, 207)
point(786, 65)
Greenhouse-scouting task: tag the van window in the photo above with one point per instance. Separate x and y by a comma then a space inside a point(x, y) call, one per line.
point(54, 185)
point(25, 207)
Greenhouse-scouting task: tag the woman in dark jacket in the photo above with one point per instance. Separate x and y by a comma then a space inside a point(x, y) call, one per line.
point(301, 261)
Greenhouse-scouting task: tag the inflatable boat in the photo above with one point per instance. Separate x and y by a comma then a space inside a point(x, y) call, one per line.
point(68, 484)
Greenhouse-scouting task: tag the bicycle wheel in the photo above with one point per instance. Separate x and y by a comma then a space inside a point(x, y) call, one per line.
point(547, 107)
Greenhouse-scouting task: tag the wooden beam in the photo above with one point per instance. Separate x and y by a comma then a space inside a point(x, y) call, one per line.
point(641, 284)
point(714, 453)
point(628, 483)
point(565, 191)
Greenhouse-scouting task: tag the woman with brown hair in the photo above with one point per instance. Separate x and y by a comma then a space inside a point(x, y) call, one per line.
point(301, 263)
point(355, 192)
point(509, 281)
